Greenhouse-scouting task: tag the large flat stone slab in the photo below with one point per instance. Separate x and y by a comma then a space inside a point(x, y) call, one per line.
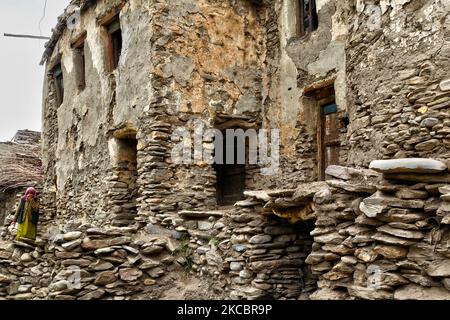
point(411, 165)
point(416, 292)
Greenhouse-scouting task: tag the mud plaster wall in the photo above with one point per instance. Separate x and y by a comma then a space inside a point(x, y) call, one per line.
point(180, 62)
point(77, 132)
point(207, 68)
point(398, 78)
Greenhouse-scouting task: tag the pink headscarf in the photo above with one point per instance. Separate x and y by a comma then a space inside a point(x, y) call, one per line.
point(30, 192)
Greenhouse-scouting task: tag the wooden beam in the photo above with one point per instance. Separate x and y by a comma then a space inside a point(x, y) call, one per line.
point(319, 85)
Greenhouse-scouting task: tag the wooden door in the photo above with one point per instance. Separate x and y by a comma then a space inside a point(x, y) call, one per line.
point(329, 143)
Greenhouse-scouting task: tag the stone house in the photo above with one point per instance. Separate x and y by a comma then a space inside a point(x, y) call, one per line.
point(344, 82)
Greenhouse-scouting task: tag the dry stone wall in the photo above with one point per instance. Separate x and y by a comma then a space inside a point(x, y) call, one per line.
point(381, 236)
point(397, 69)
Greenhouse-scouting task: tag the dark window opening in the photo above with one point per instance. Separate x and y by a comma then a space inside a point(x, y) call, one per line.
point(230, 177)
point(80, 65)
point(115, 43)
point(59, 83)
point(308, 18)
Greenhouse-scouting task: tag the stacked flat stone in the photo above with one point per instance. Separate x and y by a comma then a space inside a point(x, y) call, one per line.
point(389, 245)
point(93, 264)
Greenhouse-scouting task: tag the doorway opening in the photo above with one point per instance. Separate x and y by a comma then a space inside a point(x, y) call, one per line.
point(123, 189)
point(231, 173)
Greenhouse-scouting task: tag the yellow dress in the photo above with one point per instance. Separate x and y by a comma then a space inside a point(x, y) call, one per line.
point(27, 229)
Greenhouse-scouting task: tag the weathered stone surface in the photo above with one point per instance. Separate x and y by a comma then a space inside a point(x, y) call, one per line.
point(101, 266)
point(407, 194)
point(260, 195)
point(259, 239)
point(92, 245)
point(439, 268)
point(130, 274)
point(415, 292)
point(74, 235)
point(200, 214)
point(369, 293)
point(391, 252)
point(412, 165)
point(378, 203)
point(5, 278)
point(26, 257)
point(408, 234)
point(307, 191)
point(351, 186)
point(105, 278)
point(346, 173)
point(94, 295)
point(419, 177)
point(72, 244)
point(388, 239)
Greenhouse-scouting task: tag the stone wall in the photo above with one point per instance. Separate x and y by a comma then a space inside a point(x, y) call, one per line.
point(241, 253)
point(77, 133)
point(7, 204)
point(397, 69)
point(359, 235)
point(382, 237)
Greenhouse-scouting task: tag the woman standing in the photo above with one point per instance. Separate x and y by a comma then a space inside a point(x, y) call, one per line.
point(27, 216)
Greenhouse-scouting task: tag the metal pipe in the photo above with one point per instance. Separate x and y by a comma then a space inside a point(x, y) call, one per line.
point(25, 36)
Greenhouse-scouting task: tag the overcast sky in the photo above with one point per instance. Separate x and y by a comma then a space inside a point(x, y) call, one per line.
point(21, 77)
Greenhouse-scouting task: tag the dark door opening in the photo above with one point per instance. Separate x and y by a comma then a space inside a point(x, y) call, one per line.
point(230, 176)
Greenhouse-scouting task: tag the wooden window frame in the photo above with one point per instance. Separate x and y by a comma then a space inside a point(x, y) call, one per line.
point(312, 17)
point(106, 22)
point(114, 51)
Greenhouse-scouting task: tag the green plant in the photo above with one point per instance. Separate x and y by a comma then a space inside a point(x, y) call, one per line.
point(185, 253)
point(214, 241)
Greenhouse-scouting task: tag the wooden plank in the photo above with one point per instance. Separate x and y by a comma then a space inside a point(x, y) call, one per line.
point(319, 85)
point(79, 40)
point(111, 15)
